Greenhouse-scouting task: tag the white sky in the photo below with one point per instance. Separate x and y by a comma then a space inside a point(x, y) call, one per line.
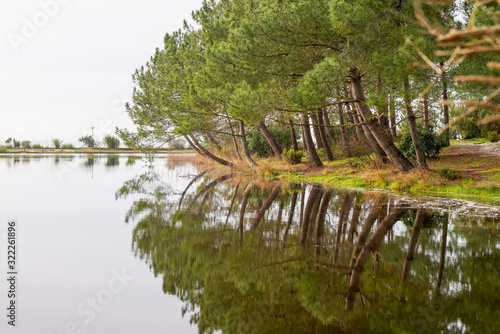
point(73, 70)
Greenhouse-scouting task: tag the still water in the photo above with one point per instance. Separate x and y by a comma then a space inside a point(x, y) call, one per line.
point(118, 244)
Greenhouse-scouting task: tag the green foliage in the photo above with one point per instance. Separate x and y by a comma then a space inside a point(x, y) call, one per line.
point(112, 142)
point(37, 146)
point(87, 141)
point(9, 140)
point(16, 143)
point(431, 143)
point(467, 128)
point(293, 157)
point(3, 149)
point(67, 146)
point(57, 142)
point(493, 136)
point(447, 173)
point(26, 144)
point(258, 145)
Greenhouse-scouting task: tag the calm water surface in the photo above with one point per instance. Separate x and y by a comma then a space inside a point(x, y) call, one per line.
point(110, 245)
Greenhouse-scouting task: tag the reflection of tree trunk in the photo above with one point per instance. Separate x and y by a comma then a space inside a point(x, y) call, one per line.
point(365, 230)
point(302, 200)
point(412, 124)
point(231, 206)
point(209, 154)
point(267, 203)
point(209, 186)
point(343, 216)
point(188, 186)
point(381, 216)
point(371, 246)
point(313, 195)
point(270, 139)
point(412, 245)
point(246, 151)
point(343, 132)
point(243, 208)
point(293, 135)
point(355, 218)
point(235, 142)
point(401, 162)
point(320, 220)
point(322, 133)
point(212, 141)
point(308, 142)
point(317, 136)
point(290, 216)
point(278, 221)
point(443, 252)
point(314, 214)
point(329, 130)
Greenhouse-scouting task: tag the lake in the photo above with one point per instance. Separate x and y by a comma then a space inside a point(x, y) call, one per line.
point(122, 244)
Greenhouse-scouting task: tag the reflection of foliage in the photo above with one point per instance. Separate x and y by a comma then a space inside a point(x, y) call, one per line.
point(112, 161)
point(236, 281)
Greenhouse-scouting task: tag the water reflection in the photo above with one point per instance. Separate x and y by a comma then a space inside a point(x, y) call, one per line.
point(112, 161)
point(252, 257)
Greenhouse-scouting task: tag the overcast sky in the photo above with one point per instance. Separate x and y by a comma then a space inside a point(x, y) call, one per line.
point(66, 65)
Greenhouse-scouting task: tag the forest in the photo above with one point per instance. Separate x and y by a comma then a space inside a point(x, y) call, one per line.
point(322, 80)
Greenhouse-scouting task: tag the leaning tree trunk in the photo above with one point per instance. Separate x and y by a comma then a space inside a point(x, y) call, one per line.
point(392, 112)
point(412, 245)
point(267, 203)
point(350, 117)
point(446, 114)
point(308, 211)
point(412, 124)
point(401, 162)
point(214, 142)
point(358, 128)
point(317, 136)
point(246, 151)
point(308, 142)
point(193, 146)
point(329, 130)
point(322, 133)
point(293, 135)
point(379, 152)
point(343, 132)
point(426, 112)
point(235, 142)
point(270, 139)
point(209, 154)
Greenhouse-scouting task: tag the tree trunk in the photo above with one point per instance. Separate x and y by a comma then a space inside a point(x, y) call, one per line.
point(244, 144)
point(392, 111)
point(446, 115)
point(379, 152)
point(401, 162)
point(426, 112)
point(193, 146)
point(412, 245)
point(235, 142)
point(212, 141)
point(270, 139)
point(345, 140)
point(350, 117)
point(329, 129)
point(293, 135)
point(412, 124)
point(359, 130)
point(322, 133)
point(267, 203)
point(317, 136)
point(371, 246)
point(209, 154)
point(308, 142)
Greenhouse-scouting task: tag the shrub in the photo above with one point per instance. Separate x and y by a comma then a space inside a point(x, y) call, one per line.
point(16, 143)
point(3, 149)
point(493, 136)
point(293, 157)
point(67, 146)
point(57, 142)
point(37, 146)
point(87, 141)
point(257, 143)
point(112, 142)
point(447, 174)
point(177, 144)
point(431, 143)
point(26, 144)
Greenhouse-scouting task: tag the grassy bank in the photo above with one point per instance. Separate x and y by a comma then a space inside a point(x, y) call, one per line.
point(462, 171)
